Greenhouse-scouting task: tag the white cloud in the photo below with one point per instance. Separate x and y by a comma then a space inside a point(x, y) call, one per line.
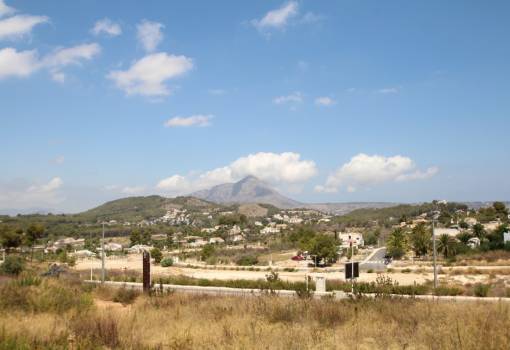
point(194, 120)
point(18, 26)
point(20, 195)
point(275, 168)
point(71, 55)
point(15, 63)
point(295, 97)
point(149, 34)
point(175, 183)
point(278, 18)
point(324, 101)
point(389, 90)
point(5, 10)
point(148, 75)
point(51, 186)
point(106, 26)
point(366, 170)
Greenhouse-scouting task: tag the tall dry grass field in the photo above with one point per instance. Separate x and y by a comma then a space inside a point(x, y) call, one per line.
point(180, 321)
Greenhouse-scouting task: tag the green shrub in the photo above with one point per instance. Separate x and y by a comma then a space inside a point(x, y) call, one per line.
point(166, 262)
point(156, 255)
point(448, 290)
point(125, 296)
point(247, 260)
point(13, 265)
point(481, 290)
point(407, 270)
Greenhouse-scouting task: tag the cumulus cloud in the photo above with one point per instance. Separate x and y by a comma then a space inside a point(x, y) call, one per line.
point(278, 18)
point(18, 26)
point(194, 120)
point(15, 63)
point(324, 101)
point(295, 97)
point(275, 168)
point(149, 34)
point(5, 10)
point(106, 26)
point(367, 170)
point(21, 195)
point(148, 75)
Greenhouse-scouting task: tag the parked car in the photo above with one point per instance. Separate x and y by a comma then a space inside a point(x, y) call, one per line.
point(298, 258)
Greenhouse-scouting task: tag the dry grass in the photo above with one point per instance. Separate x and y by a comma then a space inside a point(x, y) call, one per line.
point(183, 321)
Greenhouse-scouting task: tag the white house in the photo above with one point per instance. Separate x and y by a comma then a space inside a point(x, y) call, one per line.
point(113, 247)
point(452, 232)
point(506, 236)
point(268, 229)
point(139, 248)
point(214, 240)
point(354, 237)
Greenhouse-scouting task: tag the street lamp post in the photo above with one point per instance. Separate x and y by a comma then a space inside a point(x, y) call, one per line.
point(434, 250)
point(102, 258)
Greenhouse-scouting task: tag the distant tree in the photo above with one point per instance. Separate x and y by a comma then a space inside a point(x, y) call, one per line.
point(156, 255)
point(146, 236)
point(91, 243)
point(420, 239)
point(500, 208)
point(463, 225)
point(479, 231)
point(13, 265)
point(396, 243)
point(33, 234)
point(464, 237)
point(324, 247)
point(207, 251)
point(372, 237)
point(10, 237)
point(446, 245)
point(135, 236)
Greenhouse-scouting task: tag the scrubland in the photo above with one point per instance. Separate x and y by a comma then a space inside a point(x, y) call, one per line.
point(66, 314)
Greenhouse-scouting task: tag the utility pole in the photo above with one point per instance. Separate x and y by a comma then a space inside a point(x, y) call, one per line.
point(352, 265)
point(102, 258)
point(434, 249)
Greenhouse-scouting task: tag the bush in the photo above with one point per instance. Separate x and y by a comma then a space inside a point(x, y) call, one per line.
point(481, 290)
point(125, 296)
point(247, 260)
point(448, 290)
point(156, 255)
point(166, 262)
point(13, 265)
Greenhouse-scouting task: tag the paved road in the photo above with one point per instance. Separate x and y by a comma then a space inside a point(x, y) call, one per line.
point(376, 261)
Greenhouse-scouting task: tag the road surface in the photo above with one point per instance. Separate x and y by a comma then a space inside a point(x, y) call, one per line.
point(375, 260)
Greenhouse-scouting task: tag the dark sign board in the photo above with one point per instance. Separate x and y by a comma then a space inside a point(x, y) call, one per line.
point(349, 267)
point(146, 271)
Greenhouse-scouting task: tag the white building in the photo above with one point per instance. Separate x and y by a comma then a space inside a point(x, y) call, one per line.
point(215, 240)
point(354, 237)
point(268, 229)
point(452, 232)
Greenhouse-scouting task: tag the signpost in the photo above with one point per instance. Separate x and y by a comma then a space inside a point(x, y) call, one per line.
point(146, 271)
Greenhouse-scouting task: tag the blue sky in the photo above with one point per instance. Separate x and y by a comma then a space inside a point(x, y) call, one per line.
point(326, 100)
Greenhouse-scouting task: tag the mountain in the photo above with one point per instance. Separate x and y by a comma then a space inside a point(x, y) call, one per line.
point(248, 190)
point(139, 208)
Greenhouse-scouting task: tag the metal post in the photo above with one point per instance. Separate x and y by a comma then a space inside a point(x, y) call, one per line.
point(352, 265)
point(434, 249)
point(102, 258)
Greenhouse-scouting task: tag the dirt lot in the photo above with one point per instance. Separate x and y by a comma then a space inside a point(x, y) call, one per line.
point(134, 262)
